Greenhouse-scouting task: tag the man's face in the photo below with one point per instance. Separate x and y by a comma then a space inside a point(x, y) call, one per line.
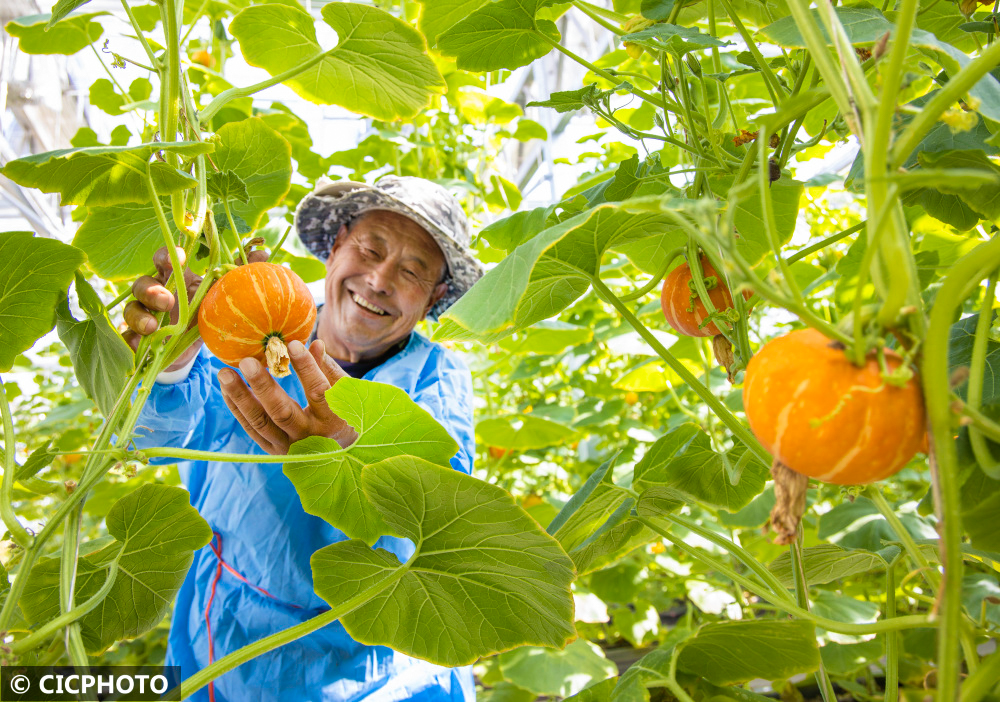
point(382, 277)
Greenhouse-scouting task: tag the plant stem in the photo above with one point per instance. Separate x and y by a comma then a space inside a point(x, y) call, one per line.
point(170, 75)
point(896, 624)
point(934, 373)
point(42, 633)
point(740, 431)
point(17, 532)
point(232, 227)
point(585, 8)
point(655, 280)
point(802, 599)
point(920, 562)
point(979, 684)
point(269, 643)
point(891, 637)
point(193, 455)
point(956, 87)
point(822, 244)
point(977, 368)
point(140, 36)
point(178, 270)
point(770, 80)
point(671, 679)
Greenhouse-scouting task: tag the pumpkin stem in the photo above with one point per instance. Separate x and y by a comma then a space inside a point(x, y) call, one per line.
point(277, 357)
point(724, 354)
point(790, 502)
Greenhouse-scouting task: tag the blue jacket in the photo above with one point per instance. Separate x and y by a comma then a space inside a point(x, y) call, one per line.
point(268, 538)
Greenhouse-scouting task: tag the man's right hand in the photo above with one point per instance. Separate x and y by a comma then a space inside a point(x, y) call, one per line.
point(151, 296)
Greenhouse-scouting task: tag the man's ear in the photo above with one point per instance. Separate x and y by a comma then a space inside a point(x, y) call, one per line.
point(439, 292)
point(337, 243)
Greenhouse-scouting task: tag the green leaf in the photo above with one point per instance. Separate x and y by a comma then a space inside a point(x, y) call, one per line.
point(510, 232)
point(120, 135)
point(608, 545)
point(672, 37)
point(140, 89)
point(103, 175)
point(504, 34)
point(156, 533)
point(982, 198)
point(63, 8)
point(39, 458)
point(556, 673)
point(847, 659)
point(104, 97)
point(547, 338)
point(546, 274)
point(683, 459)
point(658, 10)
point(148, 16)
point(102, 360)
point(844, 609)
point(120, 241)
point(437, 16)
point(528, 129)
point(825, 564)
point(728, 653)
point(753, 242)
point(568, 100)
point(64, 37)
point(502, 581)
point(595, 693)
point(34, 273)
point(379, 68)
point(960, 341)
point(863, 25)
point(227, 185)
point(522, 432)
point(260, 158)
point(858, 525)
point(389, 424)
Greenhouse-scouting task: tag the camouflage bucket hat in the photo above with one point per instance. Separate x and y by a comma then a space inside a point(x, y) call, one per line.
point(321, 213)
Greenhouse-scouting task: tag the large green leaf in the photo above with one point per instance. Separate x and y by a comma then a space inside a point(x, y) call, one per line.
point(826, 563)
point(260, 158)
point(753, 242)
point(101, 358)
point(389, 424)
point(557, 673)
point(858, 525)
point(961, 339)
point(546, 338)
point(104, 175)
point(982, 198)
point(156, 533)
point(522, 432)
point(63, 8)
point(484, 576)
point(380, 67)
point(120, 241)
point(34, 273)
point(683, 459)
point(437, 16)
point(544, 275)
point(504, 34)
point(66, 36)
point(671, 37)
point(863, 25)
point(736, 652)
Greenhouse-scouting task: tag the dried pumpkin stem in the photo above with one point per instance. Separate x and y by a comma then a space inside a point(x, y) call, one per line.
point(723, 351)
point(277, 357)
point(790, 502)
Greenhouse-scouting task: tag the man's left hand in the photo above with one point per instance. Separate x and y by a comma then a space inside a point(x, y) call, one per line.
point(273, 419)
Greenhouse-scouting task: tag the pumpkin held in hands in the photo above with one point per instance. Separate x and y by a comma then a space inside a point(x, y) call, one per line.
point(826, 418)
point(254, 311)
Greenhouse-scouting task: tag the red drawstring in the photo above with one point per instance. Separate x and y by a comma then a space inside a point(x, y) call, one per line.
point(217, 550)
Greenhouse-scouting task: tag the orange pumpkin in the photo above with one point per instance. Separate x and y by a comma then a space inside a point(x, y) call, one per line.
point(254, 311)
point(631, 398)
point(203, 57)
point(682, 307)
point(497, 452)
point(824, 417)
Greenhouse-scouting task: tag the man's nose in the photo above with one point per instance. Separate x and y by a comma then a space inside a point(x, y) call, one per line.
point(381, 277)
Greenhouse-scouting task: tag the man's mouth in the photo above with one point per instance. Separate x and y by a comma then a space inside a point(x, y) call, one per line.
point(367, 305)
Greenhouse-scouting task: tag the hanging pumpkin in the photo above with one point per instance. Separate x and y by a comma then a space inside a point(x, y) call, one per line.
point(685, 312)
point(683, 308)
point(828, 419)
point(254, 311)
point(822, 417)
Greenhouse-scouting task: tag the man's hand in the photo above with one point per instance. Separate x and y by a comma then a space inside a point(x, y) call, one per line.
point(273, 419)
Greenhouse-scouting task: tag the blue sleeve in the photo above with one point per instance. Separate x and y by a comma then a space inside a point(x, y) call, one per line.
point(174, 415)
point(447, 395)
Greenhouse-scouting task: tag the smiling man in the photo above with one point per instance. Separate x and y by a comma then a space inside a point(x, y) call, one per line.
point(395, 253)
